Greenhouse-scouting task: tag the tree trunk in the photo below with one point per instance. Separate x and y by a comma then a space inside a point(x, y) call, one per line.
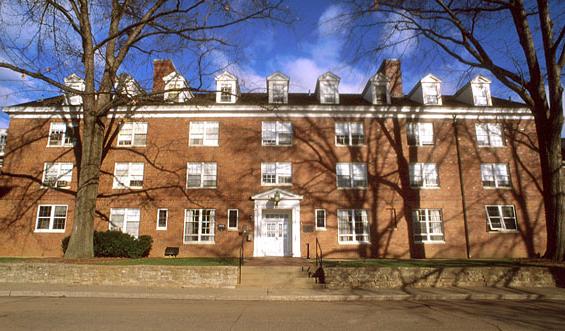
point(549, 136)
point(81, 241)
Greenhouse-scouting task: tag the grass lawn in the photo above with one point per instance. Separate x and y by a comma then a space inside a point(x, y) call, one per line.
point(180, 261)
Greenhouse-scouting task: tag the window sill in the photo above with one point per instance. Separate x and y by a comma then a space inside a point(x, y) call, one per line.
point(426, 145)
point(217, 145)
point(55, 188)
point(504, 232)
point(265, 184)
point(354, 242)
point(202, 188)
point(359, 145)
point(425, 187)
point(161, 229)
point(131, 146)
point(321, 229)
point(497, 187)
point(128, 188)
point(489, 146)
point(440, 242)
point(277, 145)
point(199, 242)
point(233, 229)
point(353, 188)
point(60, 146)
point(49, 231)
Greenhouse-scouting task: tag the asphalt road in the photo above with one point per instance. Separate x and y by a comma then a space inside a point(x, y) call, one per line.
point(36, 313)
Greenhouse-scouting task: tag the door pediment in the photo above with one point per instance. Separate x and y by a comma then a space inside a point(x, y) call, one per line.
point(285, 195)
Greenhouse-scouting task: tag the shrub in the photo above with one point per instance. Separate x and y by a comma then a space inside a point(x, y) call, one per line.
point(117, 244)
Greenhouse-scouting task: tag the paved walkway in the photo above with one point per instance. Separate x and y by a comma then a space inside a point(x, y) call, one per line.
point(81, 291)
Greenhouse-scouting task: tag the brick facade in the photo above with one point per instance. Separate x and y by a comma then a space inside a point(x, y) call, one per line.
point(313, 155)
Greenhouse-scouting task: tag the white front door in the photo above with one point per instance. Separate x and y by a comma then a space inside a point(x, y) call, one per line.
point(275, 233)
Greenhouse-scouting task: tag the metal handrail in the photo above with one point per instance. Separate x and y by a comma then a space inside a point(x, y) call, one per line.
point(241, 257)
point(319, 256)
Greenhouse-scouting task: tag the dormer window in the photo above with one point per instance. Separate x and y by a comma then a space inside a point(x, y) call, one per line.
point(227, 89)
point(277, 88)
point(376, 90)
point(226, 93)
point(74, 82)
point(176, 88)
point(476, 92)
point(380, 94)
point(327, 88)
point(431, 93)
point(427, 91)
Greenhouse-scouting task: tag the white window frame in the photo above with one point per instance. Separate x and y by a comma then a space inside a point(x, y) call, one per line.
point(417, 134)
point(423, 171)
point(159, 227)
point(128, 219)
point(497, 173)
point(280, 128)
point(236, 227)
point(348, 128)
point(502, 227)
point(279, 91)
point(353, 174)
point(329, 92)
point(226, 91)
point(379, 87)
point(51, 219)
point(425, 218)
point(353, 235)
point(66, 140)
point(128, 177)
point(428, 97)
point(199, 235)
point(64, 174)
point(492, 133)
point(278, 173)
point(480, 94)
point(204, 176)
point(207, 131)
point(136, 130)
point(320, 228)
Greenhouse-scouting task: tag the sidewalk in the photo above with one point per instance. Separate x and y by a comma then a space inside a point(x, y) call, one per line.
point(212, 294)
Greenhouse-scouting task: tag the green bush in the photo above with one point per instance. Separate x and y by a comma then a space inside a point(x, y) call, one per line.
point(117, 244)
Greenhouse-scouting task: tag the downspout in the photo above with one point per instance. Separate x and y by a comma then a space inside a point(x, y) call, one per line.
point(463, 201)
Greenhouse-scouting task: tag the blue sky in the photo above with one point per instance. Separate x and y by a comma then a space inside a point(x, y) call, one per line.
point(312, 45)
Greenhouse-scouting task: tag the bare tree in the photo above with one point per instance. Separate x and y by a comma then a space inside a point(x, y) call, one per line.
point(529, 61)
point(99, 38)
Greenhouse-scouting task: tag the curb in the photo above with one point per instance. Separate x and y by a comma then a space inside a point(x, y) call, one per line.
point(268, 297)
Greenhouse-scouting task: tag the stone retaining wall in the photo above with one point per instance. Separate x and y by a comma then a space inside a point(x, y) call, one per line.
point(118, 275)
point(374, 277)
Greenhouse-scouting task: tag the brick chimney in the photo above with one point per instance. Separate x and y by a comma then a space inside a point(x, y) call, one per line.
point(391, 69)
point(161, 68)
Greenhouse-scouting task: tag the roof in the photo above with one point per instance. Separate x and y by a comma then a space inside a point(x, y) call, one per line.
point(294, 99)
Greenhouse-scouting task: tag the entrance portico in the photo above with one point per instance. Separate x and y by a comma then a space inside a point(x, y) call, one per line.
point(277, 223)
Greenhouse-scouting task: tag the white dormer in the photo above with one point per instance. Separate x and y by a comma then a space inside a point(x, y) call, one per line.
point(377, 90)
point(127, 86)
point(476, 92)
point(176, 88)
point(75, 82)
point(327, 88)
point(227, 88)
point(427, 91)
point(277, 88)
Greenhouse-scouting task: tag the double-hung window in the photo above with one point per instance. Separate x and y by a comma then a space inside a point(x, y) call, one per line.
point(57, 175)
point(351, 175)
point(480, 94)
point(424, 175)
point(128, 175)
point(125, 220)
point(61, 135)
point(501, 218)
point(320, 219)
point(233, 219)
point(203, 133)
point(132, 134)
point(431, 93)
point(349, 134)
point(495, 175)
point(420, 134)
point(276, 133)
point(227, 92)
point(51, 218)
point(162, 218)
point(199, 226)
point(201, 175)
point(489, 134)
point(329, 91)
point(353, 226)
point(380, 94)
point(428, 225)
point(279, 93)
point(276, 173)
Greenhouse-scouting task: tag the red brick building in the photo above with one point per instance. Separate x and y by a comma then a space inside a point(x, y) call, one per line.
point(376, 174)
